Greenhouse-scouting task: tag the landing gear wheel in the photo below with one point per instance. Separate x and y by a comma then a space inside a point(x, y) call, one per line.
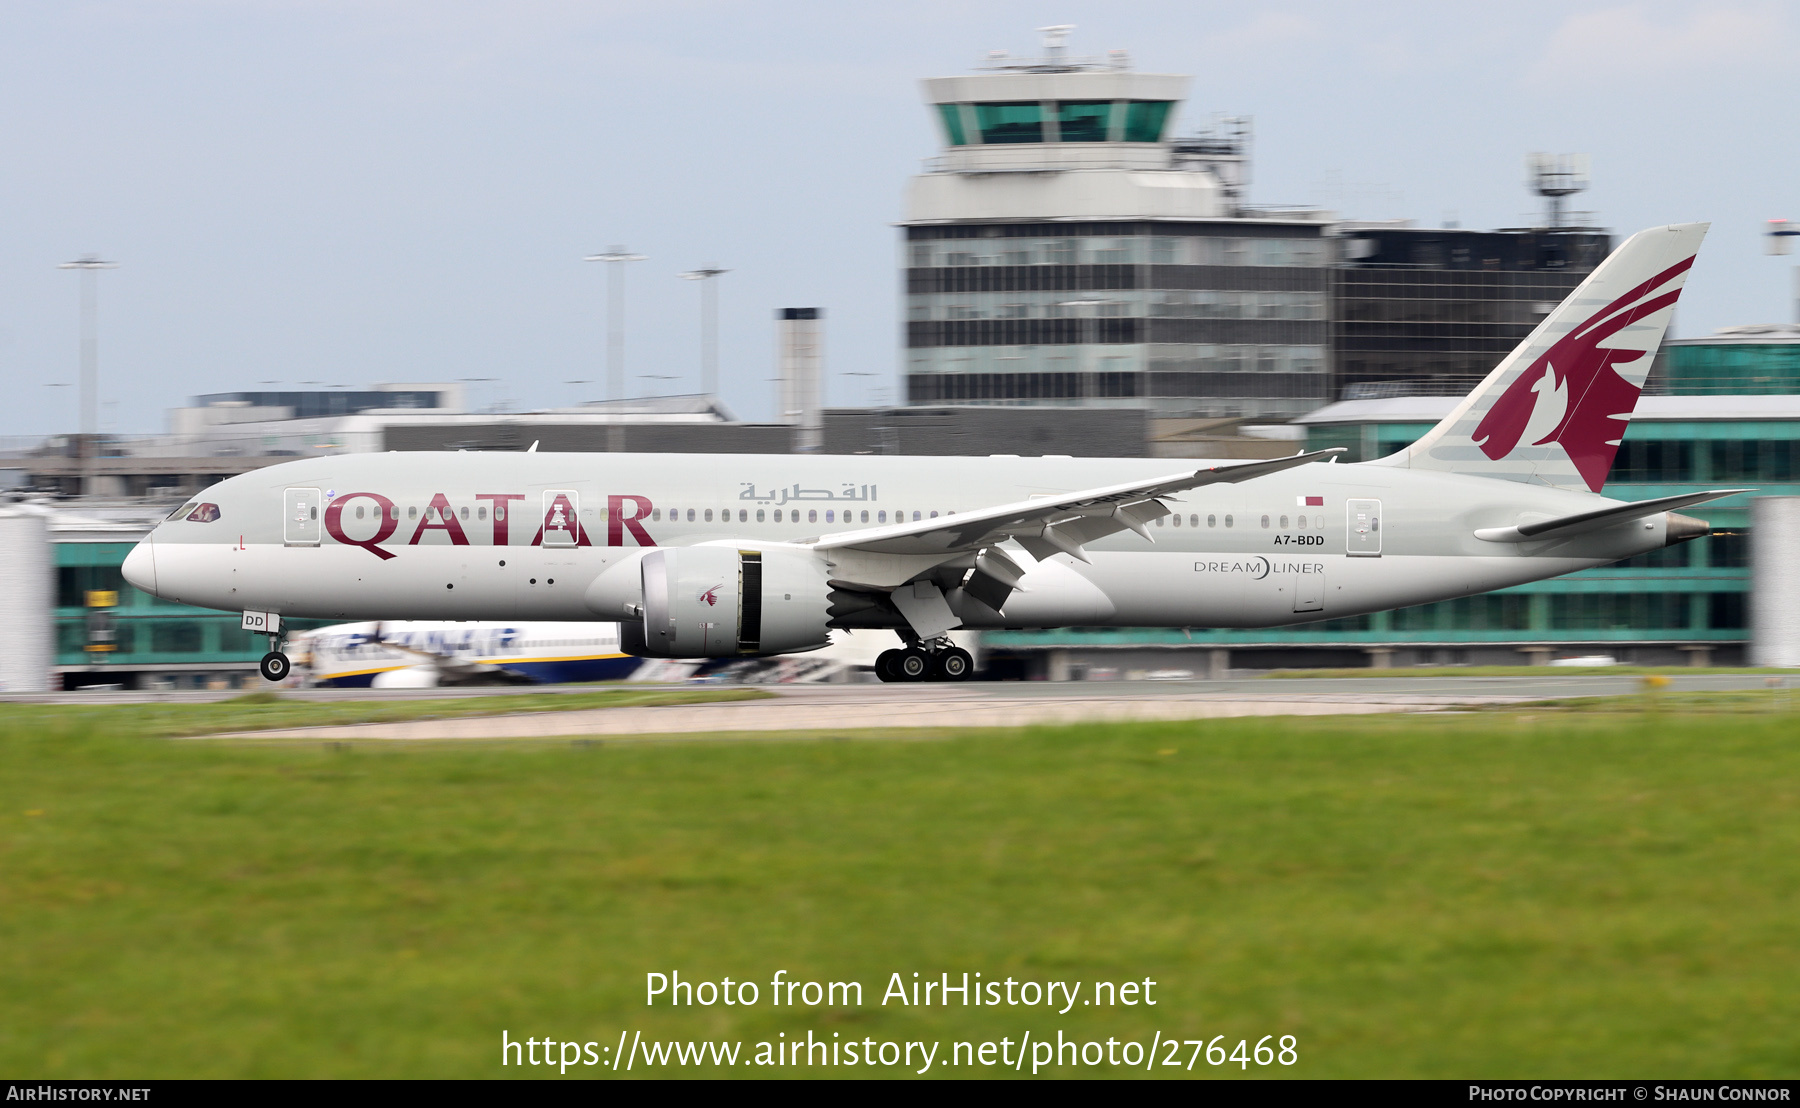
point(954, 664)
point(275, 666)
point(913, 665)
point(887, 665)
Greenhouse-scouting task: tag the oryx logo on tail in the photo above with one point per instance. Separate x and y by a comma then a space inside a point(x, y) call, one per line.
point(1572, 394)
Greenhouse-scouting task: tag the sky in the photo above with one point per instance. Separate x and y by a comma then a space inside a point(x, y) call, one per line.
point(360, 191)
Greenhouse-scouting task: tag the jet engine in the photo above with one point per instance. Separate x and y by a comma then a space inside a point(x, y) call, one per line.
point(721, 602)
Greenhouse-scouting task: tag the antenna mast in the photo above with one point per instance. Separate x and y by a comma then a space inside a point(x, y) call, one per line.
point(1555, 176)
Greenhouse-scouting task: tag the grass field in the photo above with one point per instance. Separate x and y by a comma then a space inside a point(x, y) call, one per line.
point(1525, 894)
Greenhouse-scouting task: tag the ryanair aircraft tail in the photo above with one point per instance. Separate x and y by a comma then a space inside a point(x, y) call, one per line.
point(1553, 412)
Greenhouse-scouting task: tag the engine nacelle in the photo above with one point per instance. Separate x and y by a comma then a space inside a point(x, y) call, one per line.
point(722, 602)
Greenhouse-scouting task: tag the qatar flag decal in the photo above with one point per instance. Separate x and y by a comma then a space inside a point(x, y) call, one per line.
point(1309, 502)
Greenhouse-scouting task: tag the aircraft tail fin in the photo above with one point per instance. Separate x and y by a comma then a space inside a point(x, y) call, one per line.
point(1554, 410)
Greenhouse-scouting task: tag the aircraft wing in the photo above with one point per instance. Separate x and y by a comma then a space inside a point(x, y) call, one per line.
point(1052, 525)
point(1564, 526)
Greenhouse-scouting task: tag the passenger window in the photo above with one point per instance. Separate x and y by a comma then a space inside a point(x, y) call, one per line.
point(1284, 523)
point(829, 515)
point(359, 511)
point(880, 517)
point(1177, 521)
point(499, 511)
point(915, 517)
point(759, 515)
point(1301, 520)
point(812, 515)
point(465, 513)
point(744, 515)
point(1265, 521)
point(709, 515)
point(205, 513)
point(1228, 521)
point(1212, 521)
point(865, 517)
point(656, 515)
point(1194, 521)
point(412, 512)
point(1159, 521)
point(934, 515)
point(481, 513)
point(690, 515)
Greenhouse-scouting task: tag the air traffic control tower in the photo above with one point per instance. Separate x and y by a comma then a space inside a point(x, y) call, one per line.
point(1062, 249)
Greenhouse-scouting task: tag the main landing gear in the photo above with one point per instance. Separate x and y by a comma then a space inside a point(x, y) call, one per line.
point(935, 661)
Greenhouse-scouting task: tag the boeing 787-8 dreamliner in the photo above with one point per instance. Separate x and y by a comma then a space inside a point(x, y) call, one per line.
point(767, 554)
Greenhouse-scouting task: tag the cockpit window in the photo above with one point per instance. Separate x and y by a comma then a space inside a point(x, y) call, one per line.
point(182, 511)
point(203, 513)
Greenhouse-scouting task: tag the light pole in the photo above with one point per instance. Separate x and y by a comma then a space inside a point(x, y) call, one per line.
point(615, 257)
point(89, 265)
point(709, 327)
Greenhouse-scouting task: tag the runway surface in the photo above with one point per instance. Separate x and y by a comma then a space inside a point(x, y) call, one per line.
point(825, 708)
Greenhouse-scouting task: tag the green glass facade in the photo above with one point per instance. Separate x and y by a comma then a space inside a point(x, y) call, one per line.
point(1699, 367)
point(951, 114)
point(1004, 123)
point(1145, 119)
point(1000, 123)
point(1084, 120)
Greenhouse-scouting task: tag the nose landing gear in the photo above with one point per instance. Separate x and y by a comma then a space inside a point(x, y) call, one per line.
point(934, 661)
point(275, 666)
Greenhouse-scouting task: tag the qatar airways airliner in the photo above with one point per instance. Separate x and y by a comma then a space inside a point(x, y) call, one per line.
point(698, 557)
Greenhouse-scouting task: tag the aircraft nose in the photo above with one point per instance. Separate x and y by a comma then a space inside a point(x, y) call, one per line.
point(140, 566)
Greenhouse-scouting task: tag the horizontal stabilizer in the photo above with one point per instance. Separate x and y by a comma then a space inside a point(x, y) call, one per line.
point(1580, 522)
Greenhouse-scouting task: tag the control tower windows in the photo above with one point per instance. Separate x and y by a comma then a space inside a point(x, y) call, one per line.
point(953, 124)
point(1084, 120)
point(1004, 123)
point(1144, 119)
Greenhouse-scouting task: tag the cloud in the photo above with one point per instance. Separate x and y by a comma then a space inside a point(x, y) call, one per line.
point(1627, 42)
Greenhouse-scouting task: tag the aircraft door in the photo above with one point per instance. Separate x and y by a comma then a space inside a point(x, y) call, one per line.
point(1309, 592)
point(562, 522)
point(300, 517)
point(1363, 535)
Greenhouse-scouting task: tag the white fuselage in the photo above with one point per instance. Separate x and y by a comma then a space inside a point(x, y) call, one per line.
point(503, 536)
